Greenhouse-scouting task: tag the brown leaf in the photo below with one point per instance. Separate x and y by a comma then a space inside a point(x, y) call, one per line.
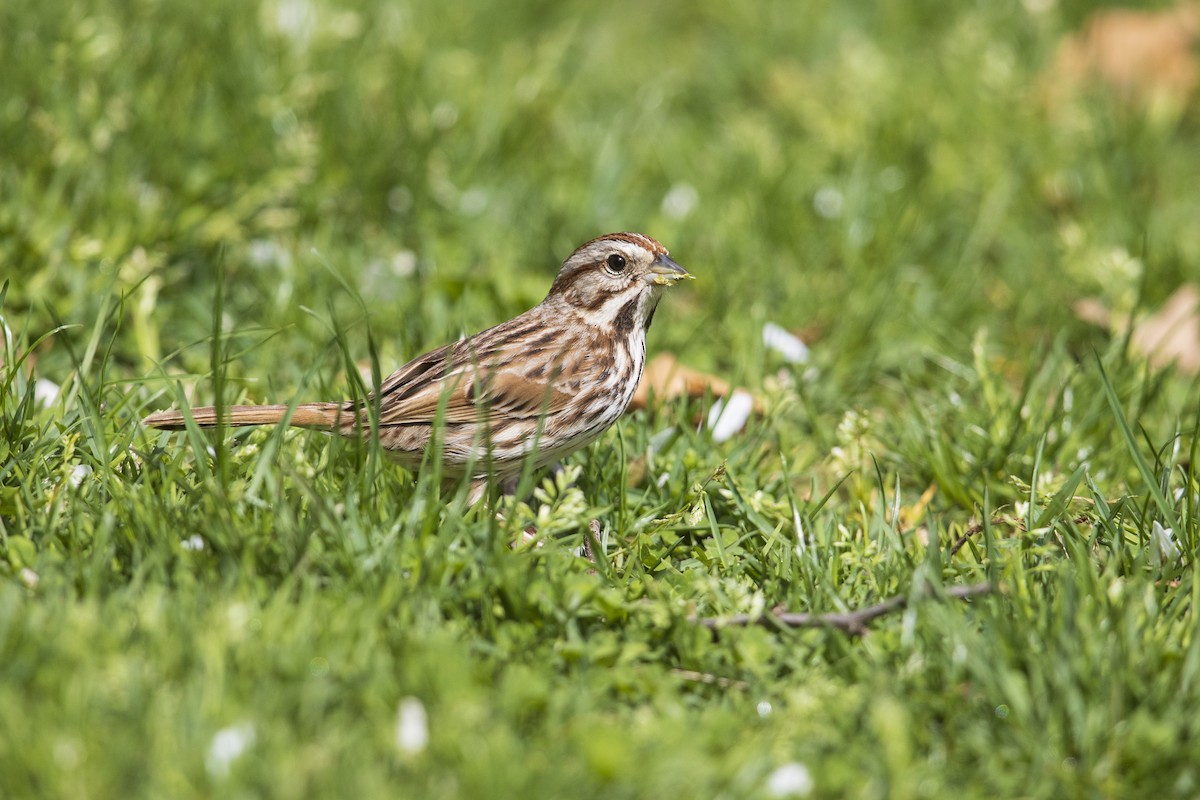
point(1172, 334)
point(910, 515)
point(1093, 310)
point(1145, 56)
point(666, 379)
point(1169, 335)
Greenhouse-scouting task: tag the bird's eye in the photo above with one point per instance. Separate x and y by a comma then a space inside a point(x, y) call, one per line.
point(615, 262)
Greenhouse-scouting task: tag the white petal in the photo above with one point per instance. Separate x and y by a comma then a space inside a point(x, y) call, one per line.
point(727, 418)
point(786, 343)
point(790, 780)
point(79, 474)
point(680, 201)
point(227, 746)
point(1163, 548)
point(30, 578)
point(412, 726)
point(45, 392)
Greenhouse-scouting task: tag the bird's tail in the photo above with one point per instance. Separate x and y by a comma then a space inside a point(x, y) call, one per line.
point(320, 416)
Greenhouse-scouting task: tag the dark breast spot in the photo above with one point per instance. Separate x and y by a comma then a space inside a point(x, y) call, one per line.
point(626, 318)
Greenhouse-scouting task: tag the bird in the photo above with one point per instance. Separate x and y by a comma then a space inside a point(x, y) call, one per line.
point(540, 386)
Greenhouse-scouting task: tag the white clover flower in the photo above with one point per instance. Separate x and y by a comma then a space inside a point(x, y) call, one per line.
point(790, 780)
point(227, 746)
point(412, 727)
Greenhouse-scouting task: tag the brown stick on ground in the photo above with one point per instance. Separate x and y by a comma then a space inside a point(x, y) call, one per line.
point(967, 534)
point(852, 622)
point(961, 541)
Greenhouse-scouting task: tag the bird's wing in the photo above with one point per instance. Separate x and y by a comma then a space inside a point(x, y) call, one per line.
point(468, 388)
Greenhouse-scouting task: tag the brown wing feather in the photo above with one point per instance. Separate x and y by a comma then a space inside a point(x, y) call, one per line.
point(476, 395)
point(472, 375)
point(418, 372)
point(510, 395)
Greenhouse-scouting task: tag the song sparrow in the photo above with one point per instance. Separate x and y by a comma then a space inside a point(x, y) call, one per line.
point(550, 380)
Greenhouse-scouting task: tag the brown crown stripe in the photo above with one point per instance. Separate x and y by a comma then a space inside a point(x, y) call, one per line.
point(631, 238)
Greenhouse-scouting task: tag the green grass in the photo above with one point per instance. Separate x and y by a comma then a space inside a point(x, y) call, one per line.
point(253, 200)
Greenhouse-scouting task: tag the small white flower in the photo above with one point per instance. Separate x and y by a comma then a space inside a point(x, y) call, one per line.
point(193, 543)
point(45, 392)
point(412, 727)
point(265, 253)
point(828, 202)
point(79, 474)
point(729, 415)
point(296, 19)
point(786, 343)
point(30, 578)
point(227, 746)
point(1163, 549)
point(404, 263)
point(790, 780)
point(680, 200)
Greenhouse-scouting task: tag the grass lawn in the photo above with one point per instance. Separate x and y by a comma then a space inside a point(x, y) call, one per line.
point(257, 201)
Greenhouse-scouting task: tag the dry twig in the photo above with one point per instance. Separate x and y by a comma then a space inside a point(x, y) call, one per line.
point(852, 622)
point(967, 534)
point(976, 528)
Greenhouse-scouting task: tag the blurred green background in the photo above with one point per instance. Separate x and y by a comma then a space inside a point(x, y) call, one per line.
point(444, 160)
point(912, 185)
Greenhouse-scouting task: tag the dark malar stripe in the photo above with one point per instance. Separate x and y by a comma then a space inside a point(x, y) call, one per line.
point(598, 301)
point(626, 318)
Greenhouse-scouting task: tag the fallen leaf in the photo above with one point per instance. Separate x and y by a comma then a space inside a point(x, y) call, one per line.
point(1170, 335)
point(1093, 310)
point(666, 379)
point(1145, 56)
point(910, 515)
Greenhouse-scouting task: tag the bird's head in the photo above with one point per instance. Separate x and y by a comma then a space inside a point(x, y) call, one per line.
point(616, 279)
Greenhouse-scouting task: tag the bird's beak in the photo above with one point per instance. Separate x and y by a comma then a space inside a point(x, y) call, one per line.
point(665, 272)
